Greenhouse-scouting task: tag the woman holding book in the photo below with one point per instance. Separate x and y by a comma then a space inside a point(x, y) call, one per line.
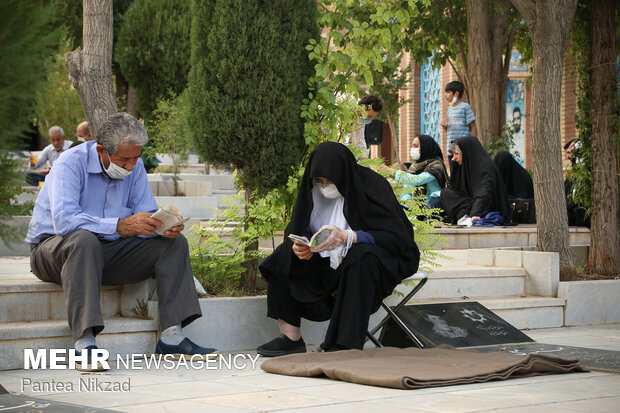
point(369, 251)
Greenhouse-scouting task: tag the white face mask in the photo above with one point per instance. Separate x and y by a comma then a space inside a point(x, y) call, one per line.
point(330, 191)
point(453, 100)
point(415, 153)
point(114, 171)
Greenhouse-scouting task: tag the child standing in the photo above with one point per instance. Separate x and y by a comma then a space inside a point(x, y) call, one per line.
point(460, 120)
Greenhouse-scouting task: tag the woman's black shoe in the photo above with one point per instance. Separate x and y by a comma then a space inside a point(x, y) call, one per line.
point(281, 346)
point(329, 349)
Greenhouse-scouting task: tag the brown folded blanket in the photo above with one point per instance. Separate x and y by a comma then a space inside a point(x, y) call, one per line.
point(414, 368)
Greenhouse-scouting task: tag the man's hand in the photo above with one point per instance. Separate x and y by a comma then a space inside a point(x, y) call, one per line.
point(138, 224)
point(302, 251)
point(474, 218)
point(174, 231)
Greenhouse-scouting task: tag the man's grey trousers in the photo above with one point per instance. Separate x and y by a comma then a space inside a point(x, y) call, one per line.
point(82, 263)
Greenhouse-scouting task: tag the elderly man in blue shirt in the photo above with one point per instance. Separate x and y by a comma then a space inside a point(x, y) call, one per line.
point(91, 226)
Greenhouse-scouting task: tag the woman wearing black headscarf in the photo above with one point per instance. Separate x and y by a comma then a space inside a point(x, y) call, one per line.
point(370, 250)
point(475, 187)
point(427, 170)
point(518, 181)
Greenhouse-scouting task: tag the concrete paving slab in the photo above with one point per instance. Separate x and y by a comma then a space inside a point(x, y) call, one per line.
point(355, 407)
point(267, 400)
point(177, 406)
point(599, 405)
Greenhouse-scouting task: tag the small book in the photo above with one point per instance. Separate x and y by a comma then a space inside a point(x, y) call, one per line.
point(170, 217)
point(320, 236)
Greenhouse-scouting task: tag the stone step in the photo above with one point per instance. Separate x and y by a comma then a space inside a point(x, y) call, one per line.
point(35, 300)
point(522, 312)
point(120, 336)
point(202, 207)
point(473, 281)
point(463, 238)
point(218, 181)
point(521, 235)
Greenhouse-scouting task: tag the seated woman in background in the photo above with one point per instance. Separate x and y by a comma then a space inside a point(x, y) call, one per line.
point(344, 279)
point(475, 187)
point(519, 187)
point(427, 169)
point(517, 180)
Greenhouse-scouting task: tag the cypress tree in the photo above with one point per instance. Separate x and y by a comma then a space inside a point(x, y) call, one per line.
point(153, 49)
point(249, 74)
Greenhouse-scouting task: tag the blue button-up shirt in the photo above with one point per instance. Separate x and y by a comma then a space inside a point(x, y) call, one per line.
point(78, 195)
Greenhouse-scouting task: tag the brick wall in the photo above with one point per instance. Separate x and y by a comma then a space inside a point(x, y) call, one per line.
point(569, 102)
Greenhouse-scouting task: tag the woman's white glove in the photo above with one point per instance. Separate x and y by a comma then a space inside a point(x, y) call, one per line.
point(336, 238)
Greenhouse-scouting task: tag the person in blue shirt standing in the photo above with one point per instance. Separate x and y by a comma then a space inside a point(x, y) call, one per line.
point(91, 226)
point(460, 120)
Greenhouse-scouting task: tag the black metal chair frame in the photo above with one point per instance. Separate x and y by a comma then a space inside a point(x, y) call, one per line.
point(392, 313)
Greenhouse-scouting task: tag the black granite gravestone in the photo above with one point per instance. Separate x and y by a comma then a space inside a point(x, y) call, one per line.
point(592, 358)
point(461, 324)
point(24, 404)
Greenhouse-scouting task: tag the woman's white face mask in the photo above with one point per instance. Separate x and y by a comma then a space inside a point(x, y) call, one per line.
point(415, 153)
point(330, 191)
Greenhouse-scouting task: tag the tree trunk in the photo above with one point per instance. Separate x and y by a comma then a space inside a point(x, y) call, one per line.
point(90, 69)
point(489, 38)
point(605, 239)
point(549, 21)
point(248, 279)
point(395, 147)
point(132, 101)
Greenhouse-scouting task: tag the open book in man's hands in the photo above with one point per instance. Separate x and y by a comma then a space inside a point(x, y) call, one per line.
point(320, 236)
point(170, 217)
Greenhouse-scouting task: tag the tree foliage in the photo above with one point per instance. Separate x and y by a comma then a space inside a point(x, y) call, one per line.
point(153, 49)
point(249, 75)
point(28, 35)
point(58, 103)
point(169, 132)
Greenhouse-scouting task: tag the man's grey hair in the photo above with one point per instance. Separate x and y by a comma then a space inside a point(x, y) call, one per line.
point(56, 129)
point(121, 128)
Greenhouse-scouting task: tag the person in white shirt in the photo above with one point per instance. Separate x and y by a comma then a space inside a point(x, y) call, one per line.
point(54, 149)
point(50, 153)
point(82, 132)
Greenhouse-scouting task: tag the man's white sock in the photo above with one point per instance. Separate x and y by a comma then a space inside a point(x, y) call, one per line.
point(172, 335)
point(87, 339)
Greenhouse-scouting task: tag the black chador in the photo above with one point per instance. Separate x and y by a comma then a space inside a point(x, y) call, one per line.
point(518, 181)
point(431, 160)
point(349, 294)
point(476, 187)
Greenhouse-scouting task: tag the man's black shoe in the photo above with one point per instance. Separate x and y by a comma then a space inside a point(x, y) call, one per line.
point(281, 346)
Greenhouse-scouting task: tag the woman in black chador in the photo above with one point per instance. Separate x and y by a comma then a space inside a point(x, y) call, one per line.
point(518, 181)
point(475, 187)
point(369, 251)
